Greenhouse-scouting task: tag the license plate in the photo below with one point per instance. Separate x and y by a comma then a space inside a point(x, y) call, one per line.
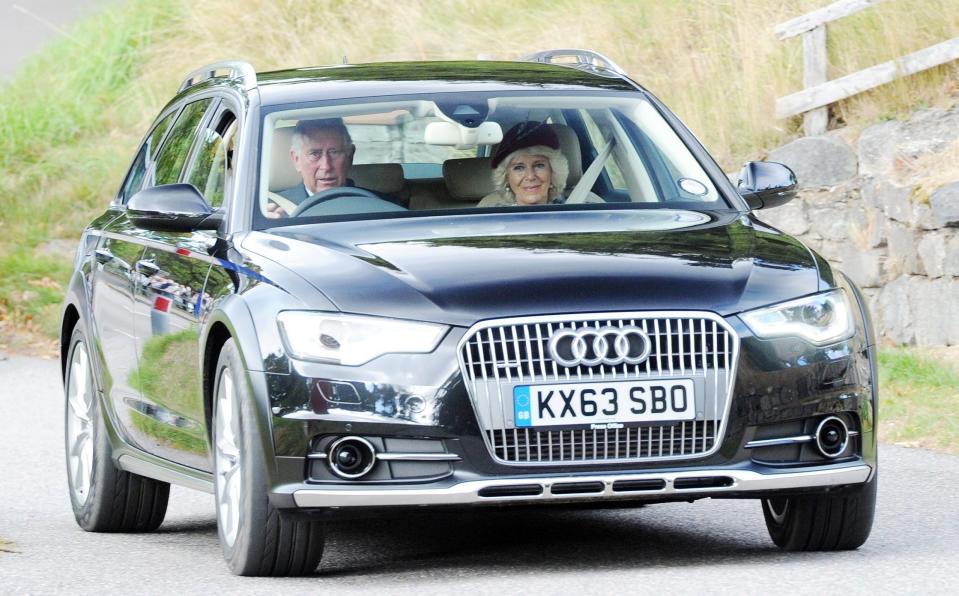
point(598, 403)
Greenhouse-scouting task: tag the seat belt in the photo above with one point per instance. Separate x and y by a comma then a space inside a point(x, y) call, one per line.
point(581, 190)
point(285, 203)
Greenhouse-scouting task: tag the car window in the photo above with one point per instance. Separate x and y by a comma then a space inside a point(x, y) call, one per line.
point(211, 164)
point(598, 140)
point(176, 148)
point(145, 156)
point(440, 153)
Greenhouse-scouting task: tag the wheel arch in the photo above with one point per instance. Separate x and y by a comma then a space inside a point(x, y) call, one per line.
point(69, 321)
point(217, 336)
point(76, 310)
point(870, 440)
point(230, 319)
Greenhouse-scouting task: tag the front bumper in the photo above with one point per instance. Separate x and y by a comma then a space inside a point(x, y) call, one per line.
point(783, 389)
point(597, 487)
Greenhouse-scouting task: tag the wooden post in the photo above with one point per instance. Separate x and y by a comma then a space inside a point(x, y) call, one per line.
point(815, 62)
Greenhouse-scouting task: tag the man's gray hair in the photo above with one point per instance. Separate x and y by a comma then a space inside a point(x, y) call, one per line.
point(557, 163)
point(308, 128)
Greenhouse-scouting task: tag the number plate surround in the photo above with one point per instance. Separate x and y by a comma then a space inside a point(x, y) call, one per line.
point(568, 402)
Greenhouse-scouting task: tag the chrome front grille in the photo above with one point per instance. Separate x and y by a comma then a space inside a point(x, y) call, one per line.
point(495, 356)
point(640, 442)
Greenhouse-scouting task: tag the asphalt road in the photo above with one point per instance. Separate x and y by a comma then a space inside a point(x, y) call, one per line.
point(705, 547)
point(27, 25)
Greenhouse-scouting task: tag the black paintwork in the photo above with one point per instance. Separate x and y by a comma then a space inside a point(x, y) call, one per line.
point(767, 184)
point(172, 208)
point(452, 269)
point(582, 262)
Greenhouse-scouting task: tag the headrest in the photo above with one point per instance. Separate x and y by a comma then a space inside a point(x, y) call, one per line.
point(569, 145)
point(385, 178)
point(468, 179)
point(282, 173)
point(382, 178)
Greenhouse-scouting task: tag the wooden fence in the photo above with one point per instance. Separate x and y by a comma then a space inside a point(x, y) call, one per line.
point(819, 92)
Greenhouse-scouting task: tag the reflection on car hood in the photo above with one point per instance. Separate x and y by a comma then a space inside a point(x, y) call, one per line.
point(459, 270)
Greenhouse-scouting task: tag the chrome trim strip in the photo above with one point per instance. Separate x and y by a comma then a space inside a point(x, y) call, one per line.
point(418, 457)
point(781, 441)
point(788, 440)
point(468, 492)
point(401, 456)
point(583, 57)
point(200, 481)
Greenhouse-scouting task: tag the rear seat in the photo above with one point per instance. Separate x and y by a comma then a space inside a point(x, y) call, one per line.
point(465, 182)
point(431, 194)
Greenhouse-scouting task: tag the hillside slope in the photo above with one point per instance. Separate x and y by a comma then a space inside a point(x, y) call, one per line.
point(71, 118)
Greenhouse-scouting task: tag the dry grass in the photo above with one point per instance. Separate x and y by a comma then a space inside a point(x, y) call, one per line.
point(71, 120)
point(716, 63)
point(929, 171)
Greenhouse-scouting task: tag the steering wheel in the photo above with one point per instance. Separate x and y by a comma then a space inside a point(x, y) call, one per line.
point(334, 193)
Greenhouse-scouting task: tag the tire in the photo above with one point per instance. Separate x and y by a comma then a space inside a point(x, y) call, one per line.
point(822, 522)
point(104, 498)
point(257, 539)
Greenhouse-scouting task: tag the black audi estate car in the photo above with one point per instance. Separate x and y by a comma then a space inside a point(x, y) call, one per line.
point(353, 289)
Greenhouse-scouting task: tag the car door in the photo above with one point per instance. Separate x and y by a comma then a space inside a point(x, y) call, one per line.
point(112, 283)
point(134, 416)
point(171, 302)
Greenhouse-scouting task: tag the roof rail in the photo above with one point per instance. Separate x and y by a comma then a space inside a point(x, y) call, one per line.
point(582, 59)
point(230, 70)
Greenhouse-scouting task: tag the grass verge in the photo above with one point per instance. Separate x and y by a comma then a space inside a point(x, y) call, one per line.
point(68, 123)
point(919, 399)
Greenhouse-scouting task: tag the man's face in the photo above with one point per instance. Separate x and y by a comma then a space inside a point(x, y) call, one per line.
point(323, 161)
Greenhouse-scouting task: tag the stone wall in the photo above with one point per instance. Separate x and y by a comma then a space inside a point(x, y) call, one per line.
point(884, 208)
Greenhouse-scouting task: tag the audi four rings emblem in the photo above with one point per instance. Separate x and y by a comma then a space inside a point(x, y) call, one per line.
point(589, 346)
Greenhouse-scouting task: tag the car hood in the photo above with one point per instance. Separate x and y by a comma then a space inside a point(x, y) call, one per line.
point(462, 269)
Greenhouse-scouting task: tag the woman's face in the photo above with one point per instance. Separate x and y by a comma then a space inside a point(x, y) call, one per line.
point(528, 177)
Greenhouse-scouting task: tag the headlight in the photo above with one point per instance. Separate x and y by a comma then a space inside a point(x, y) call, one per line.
point(352, 340)
point(821, 319)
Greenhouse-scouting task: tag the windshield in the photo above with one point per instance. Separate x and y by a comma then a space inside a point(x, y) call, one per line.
point(401, 157)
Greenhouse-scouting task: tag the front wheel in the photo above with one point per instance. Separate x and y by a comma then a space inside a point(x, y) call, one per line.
point(256, 538)
point(104, 497)
point(822, 522)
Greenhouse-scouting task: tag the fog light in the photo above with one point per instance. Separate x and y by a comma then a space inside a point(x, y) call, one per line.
point(832, 437)
point(351, 457)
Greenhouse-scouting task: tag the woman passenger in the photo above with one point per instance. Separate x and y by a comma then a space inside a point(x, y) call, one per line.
point(528, 167)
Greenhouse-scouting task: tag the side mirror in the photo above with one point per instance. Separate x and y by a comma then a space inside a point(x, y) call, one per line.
point(766, 184)
point(173, 208)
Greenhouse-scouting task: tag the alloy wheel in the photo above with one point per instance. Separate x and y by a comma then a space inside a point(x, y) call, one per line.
point(80, 398)
point(228, 473)
point(778, 508)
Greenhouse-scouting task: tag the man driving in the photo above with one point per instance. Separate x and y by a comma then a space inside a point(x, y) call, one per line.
point(322, 152)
